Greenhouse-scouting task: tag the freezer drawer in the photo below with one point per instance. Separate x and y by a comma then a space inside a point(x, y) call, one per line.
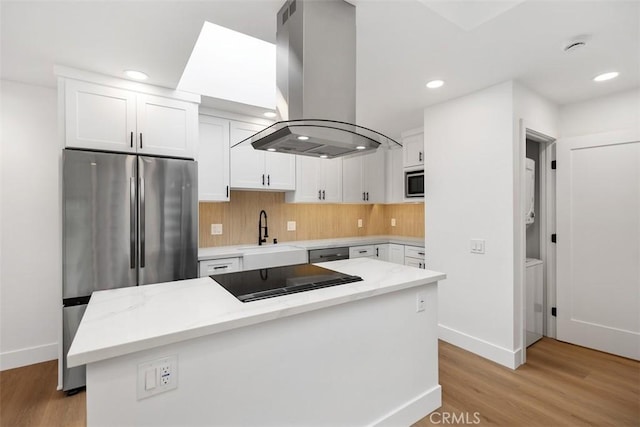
point(71, 317)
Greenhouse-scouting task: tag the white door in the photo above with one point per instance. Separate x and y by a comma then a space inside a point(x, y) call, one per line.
point(247, 164)
point(213, 159)
point(598, 243)
point(280, 170)
point(166, 127)
point(413, 148)
point(99, 117)
point(382, 252)
point(307, 175)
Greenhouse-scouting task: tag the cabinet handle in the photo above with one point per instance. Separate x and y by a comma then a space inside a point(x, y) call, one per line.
point(420, 156)
point(269, 179)
point(319, 194)
point(131, 139)
point(367, 199)
point(377, 253)
point(220, 267)
point(140, 139)
point(362, 252)
point(227, 191)
point(323, 198)
point(262, 179)
point(420, 253)
point(363, 197)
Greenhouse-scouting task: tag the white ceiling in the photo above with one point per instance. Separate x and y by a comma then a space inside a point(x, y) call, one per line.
point(402, 44)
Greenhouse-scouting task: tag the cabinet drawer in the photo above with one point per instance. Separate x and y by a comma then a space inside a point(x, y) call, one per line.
point(362, 251)
point(413, 262)
point(414, 252)
point(219, 266)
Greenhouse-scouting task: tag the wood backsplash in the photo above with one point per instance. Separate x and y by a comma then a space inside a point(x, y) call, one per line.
point(239, 219)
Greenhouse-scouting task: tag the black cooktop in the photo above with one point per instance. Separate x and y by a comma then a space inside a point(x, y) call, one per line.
point(255, 285)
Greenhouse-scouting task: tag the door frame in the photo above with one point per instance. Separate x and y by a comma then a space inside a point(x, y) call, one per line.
point(520, 248)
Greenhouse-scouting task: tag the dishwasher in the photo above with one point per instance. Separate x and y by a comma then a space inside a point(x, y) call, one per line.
point(330, 254)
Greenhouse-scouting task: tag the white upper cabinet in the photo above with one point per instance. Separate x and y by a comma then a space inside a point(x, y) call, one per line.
point(213, 159)
point(99, 117)
point(317, 181)
point(166, 127)
point(364, 177)
point(395, 176)
point(107, 118)
point(413, 148)
point(257, 169)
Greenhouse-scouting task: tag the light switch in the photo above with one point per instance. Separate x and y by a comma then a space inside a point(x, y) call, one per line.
point(150, 379)
point(477, 246)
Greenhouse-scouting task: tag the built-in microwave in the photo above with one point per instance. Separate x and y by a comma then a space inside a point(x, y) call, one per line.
point(414, 183)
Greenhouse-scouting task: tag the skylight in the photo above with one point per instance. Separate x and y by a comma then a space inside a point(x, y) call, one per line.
point(230, 65)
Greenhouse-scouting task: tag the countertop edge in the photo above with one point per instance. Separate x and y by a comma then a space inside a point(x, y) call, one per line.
point(105, 353)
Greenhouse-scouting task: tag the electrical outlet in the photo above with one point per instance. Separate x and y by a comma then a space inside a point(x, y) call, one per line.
point(421, 302)
point(157, 376)
point(359, 223)
point(393, 222)
point(216, 229)
point(291, 226)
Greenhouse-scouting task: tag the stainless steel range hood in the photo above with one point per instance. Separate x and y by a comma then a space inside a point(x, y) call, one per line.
point(316, 82)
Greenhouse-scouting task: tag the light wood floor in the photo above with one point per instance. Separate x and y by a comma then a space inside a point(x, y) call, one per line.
point(561, 385)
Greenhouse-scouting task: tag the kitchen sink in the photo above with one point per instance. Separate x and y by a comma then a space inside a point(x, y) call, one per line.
point(266, 256)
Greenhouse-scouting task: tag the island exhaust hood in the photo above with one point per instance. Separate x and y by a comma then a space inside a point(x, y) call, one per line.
point(316, 84)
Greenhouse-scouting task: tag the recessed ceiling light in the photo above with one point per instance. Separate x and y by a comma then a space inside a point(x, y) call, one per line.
point(269, 114)
point(606, 76)
point(303, 138)
point(271, 149)
point(323, 156)
point(360, 147)
point(434, 84)
point(136, 75)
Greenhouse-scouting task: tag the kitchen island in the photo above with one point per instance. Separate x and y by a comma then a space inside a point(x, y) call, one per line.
point(362, 353)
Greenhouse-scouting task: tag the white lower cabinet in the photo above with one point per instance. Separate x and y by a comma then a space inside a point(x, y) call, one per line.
point(414, 256)
point(396, 253)
point(257, 169)
point(213, 160)
point(365, 251)
point(220, 266)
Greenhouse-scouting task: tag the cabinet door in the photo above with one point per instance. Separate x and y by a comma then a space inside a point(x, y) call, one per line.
point(374, 176)
point(247, 164)
point(382, 252)
point(99, 117)
point(280, 170)
point(396, 253)
point(331, 180)
point(213, 159)
point(352, 191)
point(413, 148)
point(307, 181)
point(395, 176)
point(413, 262)
point(166, 127)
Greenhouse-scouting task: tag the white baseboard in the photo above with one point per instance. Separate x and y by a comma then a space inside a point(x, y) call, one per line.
point(505, 357)
point(414, 410)
point(28, 356)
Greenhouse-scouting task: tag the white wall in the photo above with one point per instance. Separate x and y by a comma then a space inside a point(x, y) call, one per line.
point(610, 113)
point(469, 154)
point(30, 266)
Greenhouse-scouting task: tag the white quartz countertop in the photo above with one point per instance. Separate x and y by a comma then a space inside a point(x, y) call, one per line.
point(128, 320)
point(238, 250)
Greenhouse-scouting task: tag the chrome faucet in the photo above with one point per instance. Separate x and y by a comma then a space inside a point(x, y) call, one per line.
point(262, 239)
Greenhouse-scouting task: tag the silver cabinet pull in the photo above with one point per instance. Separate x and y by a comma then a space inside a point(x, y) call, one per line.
point(142, 224)
point(132, 219)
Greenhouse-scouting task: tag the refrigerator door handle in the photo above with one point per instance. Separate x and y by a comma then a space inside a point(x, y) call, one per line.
point(142, 224)
point(132, 222)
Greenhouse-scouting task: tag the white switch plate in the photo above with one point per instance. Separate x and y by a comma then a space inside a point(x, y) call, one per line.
point(157, 376)
point(393, 222)
point(359, 223)
point(216, 229)
point(477, 246)
point(291, 226)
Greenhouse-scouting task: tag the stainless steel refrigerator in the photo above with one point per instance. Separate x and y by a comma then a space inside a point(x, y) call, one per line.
point(128, 220)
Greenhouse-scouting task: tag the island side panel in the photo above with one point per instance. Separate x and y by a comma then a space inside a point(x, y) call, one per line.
point(371, 361)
